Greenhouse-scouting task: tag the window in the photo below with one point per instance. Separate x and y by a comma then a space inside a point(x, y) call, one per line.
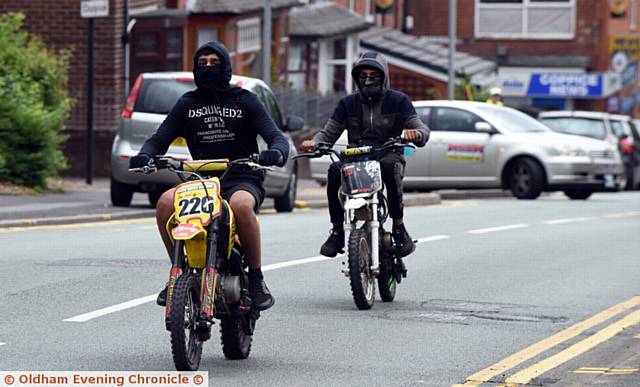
point(454, 120)
point(249, 37)
point(206, 35)
point(423, 114)
point(541, 19)
point(577, 125)
point(159, 95)
point(146, 43)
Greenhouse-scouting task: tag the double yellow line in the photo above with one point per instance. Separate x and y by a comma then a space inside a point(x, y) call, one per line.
point(526, 375)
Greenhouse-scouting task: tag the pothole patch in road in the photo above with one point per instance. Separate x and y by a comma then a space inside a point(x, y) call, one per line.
point(466, 312)
point(113, 263)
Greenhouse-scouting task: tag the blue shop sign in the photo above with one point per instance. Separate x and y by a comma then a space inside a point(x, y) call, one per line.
point(583, 85)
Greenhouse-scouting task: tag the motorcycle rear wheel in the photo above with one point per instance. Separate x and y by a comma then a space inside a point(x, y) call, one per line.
point(236, 343)
point(185, 345)
point(360, 275)
point(387, 282)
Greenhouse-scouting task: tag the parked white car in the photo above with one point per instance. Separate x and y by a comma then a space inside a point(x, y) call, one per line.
point(477, 145)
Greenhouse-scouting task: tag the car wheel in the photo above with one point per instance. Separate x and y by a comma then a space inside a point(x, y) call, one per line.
point(631, 181)
point(526, 179)
point(287, 202)
point(121, 193)
point(578, 194)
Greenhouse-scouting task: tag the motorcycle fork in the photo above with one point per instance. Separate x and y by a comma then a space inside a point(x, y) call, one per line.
point(208, 284)
point(177, 263)
point(374, 229)
point(373, 226)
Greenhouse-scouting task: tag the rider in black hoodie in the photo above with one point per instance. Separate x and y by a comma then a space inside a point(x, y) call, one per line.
point(371, 116)
point(218, 121)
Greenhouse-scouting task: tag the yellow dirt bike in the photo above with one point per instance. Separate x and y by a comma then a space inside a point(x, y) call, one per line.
point(208, 277)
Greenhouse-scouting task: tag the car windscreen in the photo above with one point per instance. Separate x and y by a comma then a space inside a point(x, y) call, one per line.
point(512, 120)
point(580, 126)
point(159, 95)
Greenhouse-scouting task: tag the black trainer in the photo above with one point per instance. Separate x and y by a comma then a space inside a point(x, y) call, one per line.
point(261, 298)
point(162, 297)
point(404, 243)
point(334, 244)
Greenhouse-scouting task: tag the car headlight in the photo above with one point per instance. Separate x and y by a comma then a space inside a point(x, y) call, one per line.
point(568, 150)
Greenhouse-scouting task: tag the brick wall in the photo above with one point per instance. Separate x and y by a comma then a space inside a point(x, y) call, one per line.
point(416, 87)
point(62, 27)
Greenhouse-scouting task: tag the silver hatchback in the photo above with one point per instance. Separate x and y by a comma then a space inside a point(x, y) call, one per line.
point(477, 145)
point(151, 98)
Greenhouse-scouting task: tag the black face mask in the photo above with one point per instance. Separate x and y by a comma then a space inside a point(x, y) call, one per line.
point(208, 77)
point(370, 86)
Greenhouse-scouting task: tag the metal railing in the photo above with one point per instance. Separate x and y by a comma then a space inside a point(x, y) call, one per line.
point(314, 108)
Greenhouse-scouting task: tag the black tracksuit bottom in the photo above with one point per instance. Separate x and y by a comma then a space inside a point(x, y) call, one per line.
point(392, 169)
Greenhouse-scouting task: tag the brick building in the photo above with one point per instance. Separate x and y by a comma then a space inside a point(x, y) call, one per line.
point(536, 43)
point(418, 65)
point(164, 37)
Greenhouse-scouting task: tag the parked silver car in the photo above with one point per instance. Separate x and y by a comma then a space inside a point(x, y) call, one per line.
point(151, 98)
point(615, 128)
point(477, 145)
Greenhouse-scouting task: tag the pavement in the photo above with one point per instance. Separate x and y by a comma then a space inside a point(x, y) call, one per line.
point(81, 203)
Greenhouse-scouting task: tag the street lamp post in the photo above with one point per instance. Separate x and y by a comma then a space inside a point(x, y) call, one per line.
point(266, 43)
point(452, 48)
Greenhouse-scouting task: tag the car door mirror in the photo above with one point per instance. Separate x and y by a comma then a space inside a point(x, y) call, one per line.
point(294, 123)
point(484, 127)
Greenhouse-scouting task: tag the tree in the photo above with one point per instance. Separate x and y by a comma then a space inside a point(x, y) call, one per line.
point(34, 105)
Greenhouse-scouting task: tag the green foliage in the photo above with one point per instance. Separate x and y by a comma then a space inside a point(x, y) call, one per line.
point(34, 105)
point(466, 90)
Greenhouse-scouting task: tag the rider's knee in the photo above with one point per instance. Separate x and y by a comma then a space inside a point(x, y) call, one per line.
point(164, 207)
point(243, 204)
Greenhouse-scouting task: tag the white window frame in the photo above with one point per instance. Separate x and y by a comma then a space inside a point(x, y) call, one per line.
point(249, 35)
point(524, 34)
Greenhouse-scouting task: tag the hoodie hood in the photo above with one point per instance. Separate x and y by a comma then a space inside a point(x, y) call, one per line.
point(220, 50)
point(373, 60)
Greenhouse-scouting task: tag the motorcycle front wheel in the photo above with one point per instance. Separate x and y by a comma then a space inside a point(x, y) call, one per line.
point(185, 345)
point(360, 276)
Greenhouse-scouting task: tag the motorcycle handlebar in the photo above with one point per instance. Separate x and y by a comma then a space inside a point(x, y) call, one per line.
point(324, 148)
point(194, 166)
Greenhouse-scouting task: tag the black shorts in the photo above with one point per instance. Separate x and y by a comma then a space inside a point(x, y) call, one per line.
point(250, 183)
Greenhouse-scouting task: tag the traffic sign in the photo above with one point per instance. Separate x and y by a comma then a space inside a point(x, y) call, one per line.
point(94, 8)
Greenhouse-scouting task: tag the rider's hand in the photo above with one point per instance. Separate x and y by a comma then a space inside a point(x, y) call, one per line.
point(411, 135)
point(271, 157)
point(139, 161)
point(308, 146)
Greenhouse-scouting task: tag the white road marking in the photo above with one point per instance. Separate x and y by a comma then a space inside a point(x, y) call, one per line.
point(433, 238)
point(1, 344)
point(295, 262)
point(591, 218)
point(274, 266)
point(111, 309)
point(568, 220)
point(622, 215)
point(496, 229)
